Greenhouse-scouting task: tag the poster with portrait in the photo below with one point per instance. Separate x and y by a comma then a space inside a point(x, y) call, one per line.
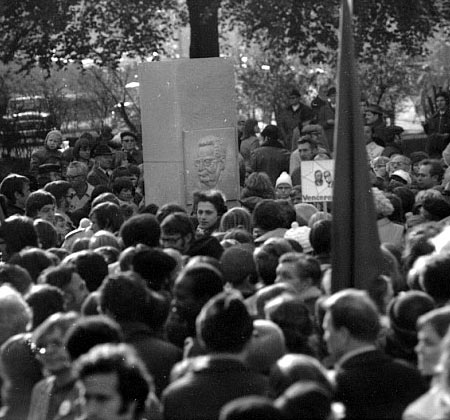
point(317, 180)
point(211, 161)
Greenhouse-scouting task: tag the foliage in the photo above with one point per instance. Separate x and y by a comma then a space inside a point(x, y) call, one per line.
point(309, 28)
point(60, 31)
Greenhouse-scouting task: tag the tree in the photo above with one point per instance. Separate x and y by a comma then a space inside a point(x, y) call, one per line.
point(308, 28)
point(49, 32)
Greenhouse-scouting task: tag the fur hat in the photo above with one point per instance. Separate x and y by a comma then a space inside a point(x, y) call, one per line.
point(284, 178)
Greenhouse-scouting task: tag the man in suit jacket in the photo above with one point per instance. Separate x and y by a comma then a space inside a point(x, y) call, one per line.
point(369, 383)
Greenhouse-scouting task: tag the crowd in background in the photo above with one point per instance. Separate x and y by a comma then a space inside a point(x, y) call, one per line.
point(115, 308)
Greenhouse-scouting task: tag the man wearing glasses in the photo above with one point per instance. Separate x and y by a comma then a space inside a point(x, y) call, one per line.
point(77, 177)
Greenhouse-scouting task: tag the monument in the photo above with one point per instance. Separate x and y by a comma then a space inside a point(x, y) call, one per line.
point(189, 139)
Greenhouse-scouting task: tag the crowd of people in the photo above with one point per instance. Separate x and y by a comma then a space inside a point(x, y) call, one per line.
point(115, 308)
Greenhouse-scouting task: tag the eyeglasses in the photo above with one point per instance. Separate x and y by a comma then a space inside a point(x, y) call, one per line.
point(70, 196)
point(205, 163)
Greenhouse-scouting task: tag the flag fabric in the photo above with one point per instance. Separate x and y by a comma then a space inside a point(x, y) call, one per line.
point(356, 255)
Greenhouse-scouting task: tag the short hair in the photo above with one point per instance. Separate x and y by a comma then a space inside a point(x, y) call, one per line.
point(307, 139)
point(124, 296)
point(15, 314)
point(436, 168)
point(237, 217)
point(44, 300)
point(18, 232)
point(16, 276)
point(103, 238)
point(108, 216)
point(60, 321)
point(267, 215)
point(177, 223)
point(134, 383)
point(59, 276)
point(87, 332)
point(103, 195)
point(48, 238)
point(292, 368)
point(80, 167)
point(354, 310)
point(251, 407)
point(109, 253)
point(11, 184)
point(320, 236)
point(168, 209)
point(258, 184)
point(216, 198)
point(34, 260)
point(306, 265)
point(444, 95)
point(122, 183)
point(207, 281)
point(292, 315)
point(434, 277)
point(438, 208)
point(438, 319)
point(90, 266)
point(36, 200)
point(272, 132)
point(154, 266)
point(141, 228)
point(58, 189)
point(224, 324)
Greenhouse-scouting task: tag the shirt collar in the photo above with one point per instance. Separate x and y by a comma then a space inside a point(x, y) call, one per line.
point(353, 353)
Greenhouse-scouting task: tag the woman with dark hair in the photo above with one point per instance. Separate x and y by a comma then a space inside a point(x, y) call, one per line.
point(106, 216)
point(63, 193)
point(210, 208)
point(17, 233)
point(82, 151)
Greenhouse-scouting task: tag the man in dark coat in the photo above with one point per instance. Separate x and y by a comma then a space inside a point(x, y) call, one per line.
point(125, 299)
point(225, 329)
point(297, 114)
point(271, 158)
point(438, 127)
point(100, 174)
point(369, 383)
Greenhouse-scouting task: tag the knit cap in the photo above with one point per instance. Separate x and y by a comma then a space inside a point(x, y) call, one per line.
point(284, 178)
point(300, 234)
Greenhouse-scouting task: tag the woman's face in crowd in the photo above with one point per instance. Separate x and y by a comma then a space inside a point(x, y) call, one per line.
point(428, 350)
point(52, 353)
point(85, 153)
point(206, 214)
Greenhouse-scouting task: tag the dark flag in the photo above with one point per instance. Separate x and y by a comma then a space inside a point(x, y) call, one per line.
point(356, 256)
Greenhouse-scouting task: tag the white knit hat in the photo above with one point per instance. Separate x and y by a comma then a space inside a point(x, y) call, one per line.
point(300, 234)
point(284, 178)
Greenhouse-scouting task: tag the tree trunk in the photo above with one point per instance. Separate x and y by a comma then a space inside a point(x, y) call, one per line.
point(204, 22)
